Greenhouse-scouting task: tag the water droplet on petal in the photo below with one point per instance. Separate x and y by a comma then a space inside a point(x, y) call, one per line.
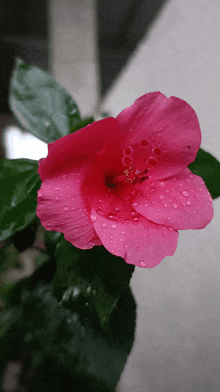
point(57, 188)
point(121, 239)
point(104, 225)
point(127, 221)
point(93, 218)
point(47, 124)
point(157, 151)
point(65, 208)
point(123, 232)
point(111, 236)
point(128, 151)
point(40, 193)
point(152, 161)
point(144, 143)
point(170, 228)
point(175, 205)
point(113, 227)
point(165, 205)
point(190, 176)
point(57, 197)
point(161, 197)
point(185, 193)
point(134, 204)
point(142, 264)
point(146, 205)
point(162, 184)
point(188, 203)
point(126, 160)
point(99, 211)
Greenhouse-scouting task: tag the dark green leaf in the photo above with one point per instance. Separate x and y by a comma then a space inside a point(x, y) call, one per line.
point(66, 353)
point(19, 185)
point(26, 237)
point(40, 104)
point(51, 239)
point(90, 280)
point(207, 167)
point(82, 124)
point(9, 257)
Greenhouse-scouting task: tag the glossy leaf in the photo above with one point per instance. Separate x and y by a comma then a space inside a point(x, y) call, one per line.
point(40, 104)
point(90, 280)
point(19, 185)
point(207, 167)
point(66, 353)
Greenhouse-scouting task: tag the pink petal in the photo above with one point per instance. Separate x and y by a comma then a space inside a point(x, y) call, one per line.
point(142, 243)
point(163, 132)
point(181, 201)
point(73, 151)
point(62, 208)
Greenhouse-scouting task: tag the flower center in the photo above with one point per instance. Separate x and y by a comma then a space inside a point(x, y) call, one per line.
point(131, 175)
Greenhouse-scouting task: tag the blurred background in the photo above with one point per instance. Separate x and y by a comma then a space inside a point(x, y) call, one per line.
point(106, 54)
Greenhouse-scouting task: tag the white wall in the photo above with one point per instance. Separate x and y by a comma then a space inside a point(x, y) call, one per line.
point(177, 345)
point(72, 28)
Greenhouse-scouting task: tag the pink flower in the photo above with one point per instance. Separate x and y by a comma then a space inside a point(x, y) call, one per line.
point(124, 183)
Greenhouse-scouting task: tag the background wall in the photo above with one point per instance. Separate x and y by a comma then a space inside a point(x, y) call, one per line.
point(177, 346)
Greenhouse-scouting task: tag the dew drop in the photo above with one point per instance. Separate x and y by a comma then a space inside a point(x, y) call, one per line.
point(126, 246)
point(121, 239)
point(185, 193)
point(57, 188)
point(152, 190)
point(40, 194)
point(152, 161)
point(188, 203)
point(47, 124)
point(117, 209)
point(111, 236)
point(157, 151)
point(57, 197)
point(134, 204)
point(127, 221)
point(93, 218)
point(170, 228)
point(126, 160)
point(161, 197)
point(142, 264)
point(128, 151)
point(190, 176)
point(162, 184)
point(180, 184)
point(123, 232)
point(146, 205)
point(144, 143)
point(165, 205)
point(99, 211)
point(113, 227)
point(65, 208)
point(104, 225)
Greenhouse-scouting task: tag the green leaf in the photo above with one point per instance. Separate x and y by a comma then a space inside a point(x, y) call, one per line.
point(82, 124)
point(207, 167)
point(68, 354)
point(19, 185)
point(91, 281)
point(9, 257)
point(40, 104)
point(26, 237)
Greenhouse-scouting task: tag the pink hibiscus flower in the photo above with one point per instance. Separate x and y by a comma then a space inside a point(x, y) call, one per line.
point(124, 183)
